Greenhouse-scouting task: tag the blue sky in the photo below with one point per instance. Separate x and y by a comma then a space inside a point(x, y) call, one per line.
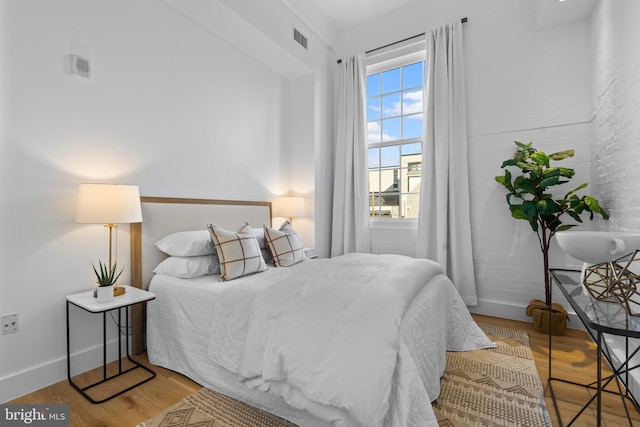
point(391, 94)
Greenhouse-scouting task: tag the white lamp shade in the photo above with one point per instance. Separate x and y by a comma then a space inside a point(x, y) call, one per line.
point(108, 204)
point(290, 207)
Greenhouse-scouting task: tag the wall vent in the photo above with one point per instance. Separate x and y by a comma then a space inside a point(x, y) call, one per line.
point(298, 37)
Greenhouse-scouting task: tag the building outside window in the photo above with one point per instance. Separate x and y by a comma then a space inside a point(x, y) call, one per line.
point(395, 117)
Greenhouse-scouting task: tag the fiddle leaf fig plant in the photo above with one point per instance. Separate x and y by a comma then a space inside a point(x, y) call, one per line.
point(529, 198)
point(106, 276)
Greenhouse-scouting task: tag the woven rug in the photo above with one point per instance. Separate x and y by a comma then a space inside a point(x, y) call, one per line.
point(496, 387)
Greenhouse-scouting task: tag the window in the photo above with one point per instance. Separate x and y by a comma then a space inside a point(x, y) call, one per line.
point(394, 123)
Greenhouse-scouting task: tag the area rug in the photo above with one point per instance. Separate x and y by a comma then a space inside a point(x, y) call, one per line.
point(495, 387)
point(206, 408)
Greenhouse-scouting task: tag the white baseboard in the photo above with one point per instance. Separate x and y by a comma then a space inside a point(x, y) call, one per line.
point(516, 312)
point(37, 377)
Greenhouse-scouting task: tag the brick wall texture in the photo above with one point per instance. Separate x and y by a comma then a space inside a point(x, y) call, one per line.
point(615, 153)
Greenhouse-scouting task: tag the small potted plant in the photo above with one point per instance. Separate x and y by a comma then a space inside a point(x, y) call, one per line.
point(529, 200)
point(106, 278)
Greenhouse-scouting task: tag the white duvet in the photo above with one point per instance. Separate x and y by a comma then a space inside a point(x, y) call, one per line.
point(327, 339)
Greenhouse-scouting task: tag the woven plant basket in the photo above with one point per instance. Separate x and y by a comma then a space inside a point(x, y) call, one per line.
point(539, 310)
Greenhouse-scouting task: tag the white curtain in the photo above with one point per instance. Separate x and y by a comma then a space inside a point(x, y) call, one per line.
point(350, 225)
point(444, 228)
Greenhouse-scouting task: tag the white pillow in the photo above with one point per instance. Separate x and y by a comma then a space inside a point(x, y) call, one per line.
point(266, 253)
point(284, 244)
point(258, 233)
point(188, 267)
point(239, 253)
point(187, 243)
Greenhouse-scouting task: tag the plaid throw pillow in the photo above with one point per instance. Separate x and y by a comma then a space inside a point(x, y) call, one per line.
point(284, 244)
point(239, 253)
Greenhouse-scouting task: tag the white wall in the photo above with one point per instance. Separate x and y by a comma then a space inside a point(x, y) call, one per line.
point(524, 81)
point(171, 106)
point(307, 117)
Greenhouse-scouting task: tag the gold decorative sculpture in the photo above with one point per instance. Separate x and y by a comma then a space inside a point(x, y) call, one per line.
point(615, 281)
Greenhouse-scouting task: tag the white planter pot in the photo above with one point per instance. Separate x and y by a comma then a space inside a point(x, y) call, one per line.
point(105, 293)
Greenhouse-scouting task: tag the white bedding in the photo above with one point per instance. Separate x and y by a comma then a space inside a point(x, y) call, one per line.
point(193, 323)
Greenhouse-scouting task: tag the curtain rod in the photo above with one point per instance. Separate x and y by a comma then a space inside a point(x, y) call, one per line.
point(463, 20)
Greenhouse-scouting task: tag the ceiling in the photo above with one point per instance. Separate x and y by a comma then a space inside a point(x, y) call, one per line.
point(554, 12)
point(348, 13)
point(345, 14)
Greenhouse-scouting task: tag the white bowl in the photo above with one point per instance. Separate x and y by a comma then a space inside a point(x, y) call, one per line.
point(596, 247)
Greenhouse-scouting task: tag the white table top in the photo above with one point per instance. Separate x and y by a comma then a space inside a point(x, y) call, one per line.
point(131, 296)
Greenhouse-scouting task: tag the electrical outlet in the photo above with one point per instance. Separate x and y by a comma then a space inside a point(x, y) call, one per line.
point(9, 323)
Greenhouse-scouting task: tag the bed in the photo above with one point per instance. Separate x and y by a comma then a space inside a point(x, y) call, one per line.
point(314, 342)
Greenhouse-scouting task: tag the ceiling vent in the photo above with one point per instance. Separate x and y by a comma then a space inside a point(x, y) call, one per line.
point(301, 39)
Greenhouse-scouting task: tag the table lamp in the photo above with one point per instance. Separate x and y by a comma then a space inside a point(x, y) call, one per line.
point(290, 207)
point(109, 204)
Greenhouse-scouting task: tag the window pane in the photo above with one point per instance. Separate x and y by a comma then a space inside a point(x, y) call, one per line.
point(374, 131)
point(412, 126)
point(391, 129)
point(411, 205)
point(391, 105)
point(390, 156)
point(374, 180)
point(413, 75)
point(413, 184)
point(415, 148)
point(374, 202)
point(390, 205)
point(388, 180)
point(391, 80)
point(373, 109)
point(412, 101)
point(373, 85)
point(374, 157)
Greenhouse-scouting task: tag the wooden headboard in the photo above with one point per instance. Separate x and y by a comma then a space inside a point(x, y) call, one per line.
point(165, 215)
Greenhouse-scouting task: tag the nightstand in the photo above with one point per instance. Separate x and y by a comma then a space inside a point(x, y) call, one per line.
point(86, 301)
point(310, 253)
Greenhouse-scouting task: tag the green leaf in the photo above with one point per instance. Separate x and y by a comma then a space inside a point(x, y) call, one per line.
point(106, 276)
point(517, 212)
point(525, 184)
point(595, 207)
point(529, 209)
point(527, 166)
point(561, 155)
point(547, 206)
point(505, 180)
point(549, 181)
point(578, 188)
point(509, 162)
point(540, 158)
point(551, 172)
point(575, 215)
point(523, 146)
point(567, 172)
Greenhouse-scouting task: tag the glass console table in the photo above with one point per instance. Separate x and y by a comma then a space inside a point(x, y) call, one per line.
point(600, 318)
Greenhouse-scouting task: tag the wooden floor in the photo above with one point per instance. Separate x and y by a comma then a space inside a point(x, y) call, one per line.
point(574, 358)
